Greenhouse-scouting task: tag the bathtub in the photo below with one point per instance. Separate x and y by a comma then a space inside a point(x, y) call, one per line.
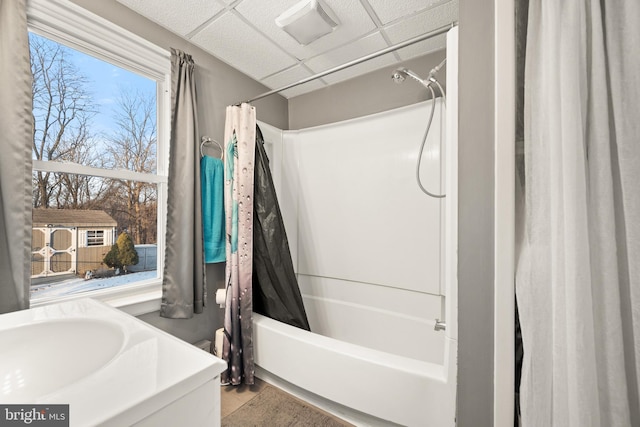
point(373, 283)
point(359, 384)
point(110, 368)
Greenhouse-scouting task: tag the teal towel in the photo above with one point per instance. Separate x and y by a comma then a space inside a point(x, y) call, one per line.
point(212, 181)
point(231, 156)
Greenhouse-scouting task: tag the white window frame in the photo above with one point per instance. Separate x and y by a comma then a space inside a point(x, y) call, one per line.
point(95, 238)
point(73, 26)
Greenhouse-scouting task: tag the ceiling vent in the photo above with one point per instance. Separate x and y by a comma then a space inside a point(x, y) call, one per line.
point(307, 21)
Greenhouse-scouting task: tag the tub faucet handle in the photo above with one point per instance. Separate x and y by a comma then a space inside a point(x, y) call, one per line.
point(440, 325)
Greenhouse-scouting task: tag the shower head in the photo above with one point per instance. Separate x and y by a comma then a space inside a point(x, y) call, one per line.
point(400, 75)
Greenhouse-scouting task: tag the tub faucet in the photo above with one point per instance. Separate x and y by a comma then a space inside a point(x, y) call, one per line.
point(440, 325)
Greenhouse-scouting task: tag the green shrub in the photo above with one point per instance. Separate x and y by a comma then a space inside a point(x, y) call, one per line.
point(126, 251)
point(122, 254)
point(112, 258)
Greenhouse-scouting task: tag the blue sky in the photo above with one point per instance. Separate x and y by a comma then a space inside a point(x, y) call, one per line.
point(105, 83)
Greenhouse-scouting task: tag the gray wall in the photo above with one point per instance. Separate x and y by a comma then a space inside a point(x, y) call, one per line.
point(218, 85)
point(368, 94)
point(476, 214)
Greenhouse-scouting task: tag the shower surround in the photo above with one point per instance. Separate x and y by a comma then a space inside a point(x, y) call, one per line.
point(369, 251)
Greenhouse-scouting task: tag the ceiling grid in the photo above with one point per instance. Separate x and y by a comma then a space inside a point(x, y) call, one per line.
point(243, 33)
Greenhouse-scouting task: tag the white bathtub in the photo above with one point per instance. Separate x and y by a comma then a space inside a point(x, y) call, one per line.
point(361, 385)
point(376, 262)
point(110, 368)
point(373, 282)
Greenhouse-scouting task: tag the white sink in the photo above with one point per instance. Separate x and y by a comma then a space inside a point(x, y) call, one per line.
point(39, 358)
point(112, 369)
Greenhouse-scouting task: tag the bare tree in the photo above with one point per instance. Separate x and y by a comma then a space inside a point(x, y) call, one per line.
point(79, 191)
point(62, 111)
point(133, 147)
point(62, 107)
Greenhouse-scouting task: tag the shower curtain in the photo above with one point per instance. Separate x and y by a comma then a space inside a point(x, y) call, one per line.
point(240, 138)
point(578, 273)
point(276, 293)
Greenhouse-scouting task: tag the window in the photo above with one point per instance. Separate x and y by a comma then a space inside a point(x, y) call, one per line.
point(100, 153)
point(95, 237)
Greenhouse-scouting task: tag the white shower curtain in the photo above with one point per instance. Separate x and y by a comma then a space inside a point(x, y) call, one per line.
point(578, 276)
point(240, 145)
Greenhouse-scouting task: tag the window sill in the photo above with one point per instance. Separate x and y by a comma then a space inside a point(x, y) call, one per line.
point(136, 300)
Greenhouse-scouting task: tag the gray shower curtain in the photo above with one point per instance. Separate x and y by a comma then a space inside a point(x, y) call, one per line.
point(16, 137)
point(184, 282)
point(276, 293)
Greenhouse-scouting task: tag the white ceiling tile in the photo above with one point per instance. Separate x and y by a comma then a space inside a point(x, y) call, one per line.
point(389, 11)
point(179, 17)
point(355, 50)
point(420, 24)
point(246, 36)
point(354, 22)
point(238, 44)
point(424, 47)
point(293, 75)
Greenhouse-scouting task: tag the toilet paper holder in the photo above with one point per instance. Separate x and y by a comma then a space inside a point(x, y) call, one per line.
point(221, 297)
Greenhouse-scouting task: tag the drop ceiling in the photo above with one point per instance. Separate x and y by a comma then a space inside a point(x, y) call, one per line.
point(243, 33)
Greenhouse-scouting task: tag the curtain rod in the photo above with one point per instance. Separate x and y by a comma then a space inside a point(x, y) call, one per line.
point(381, 52)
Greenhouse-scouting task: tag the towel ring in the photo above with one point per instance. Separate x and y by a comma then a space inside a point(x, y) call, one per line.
point(207, 140)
